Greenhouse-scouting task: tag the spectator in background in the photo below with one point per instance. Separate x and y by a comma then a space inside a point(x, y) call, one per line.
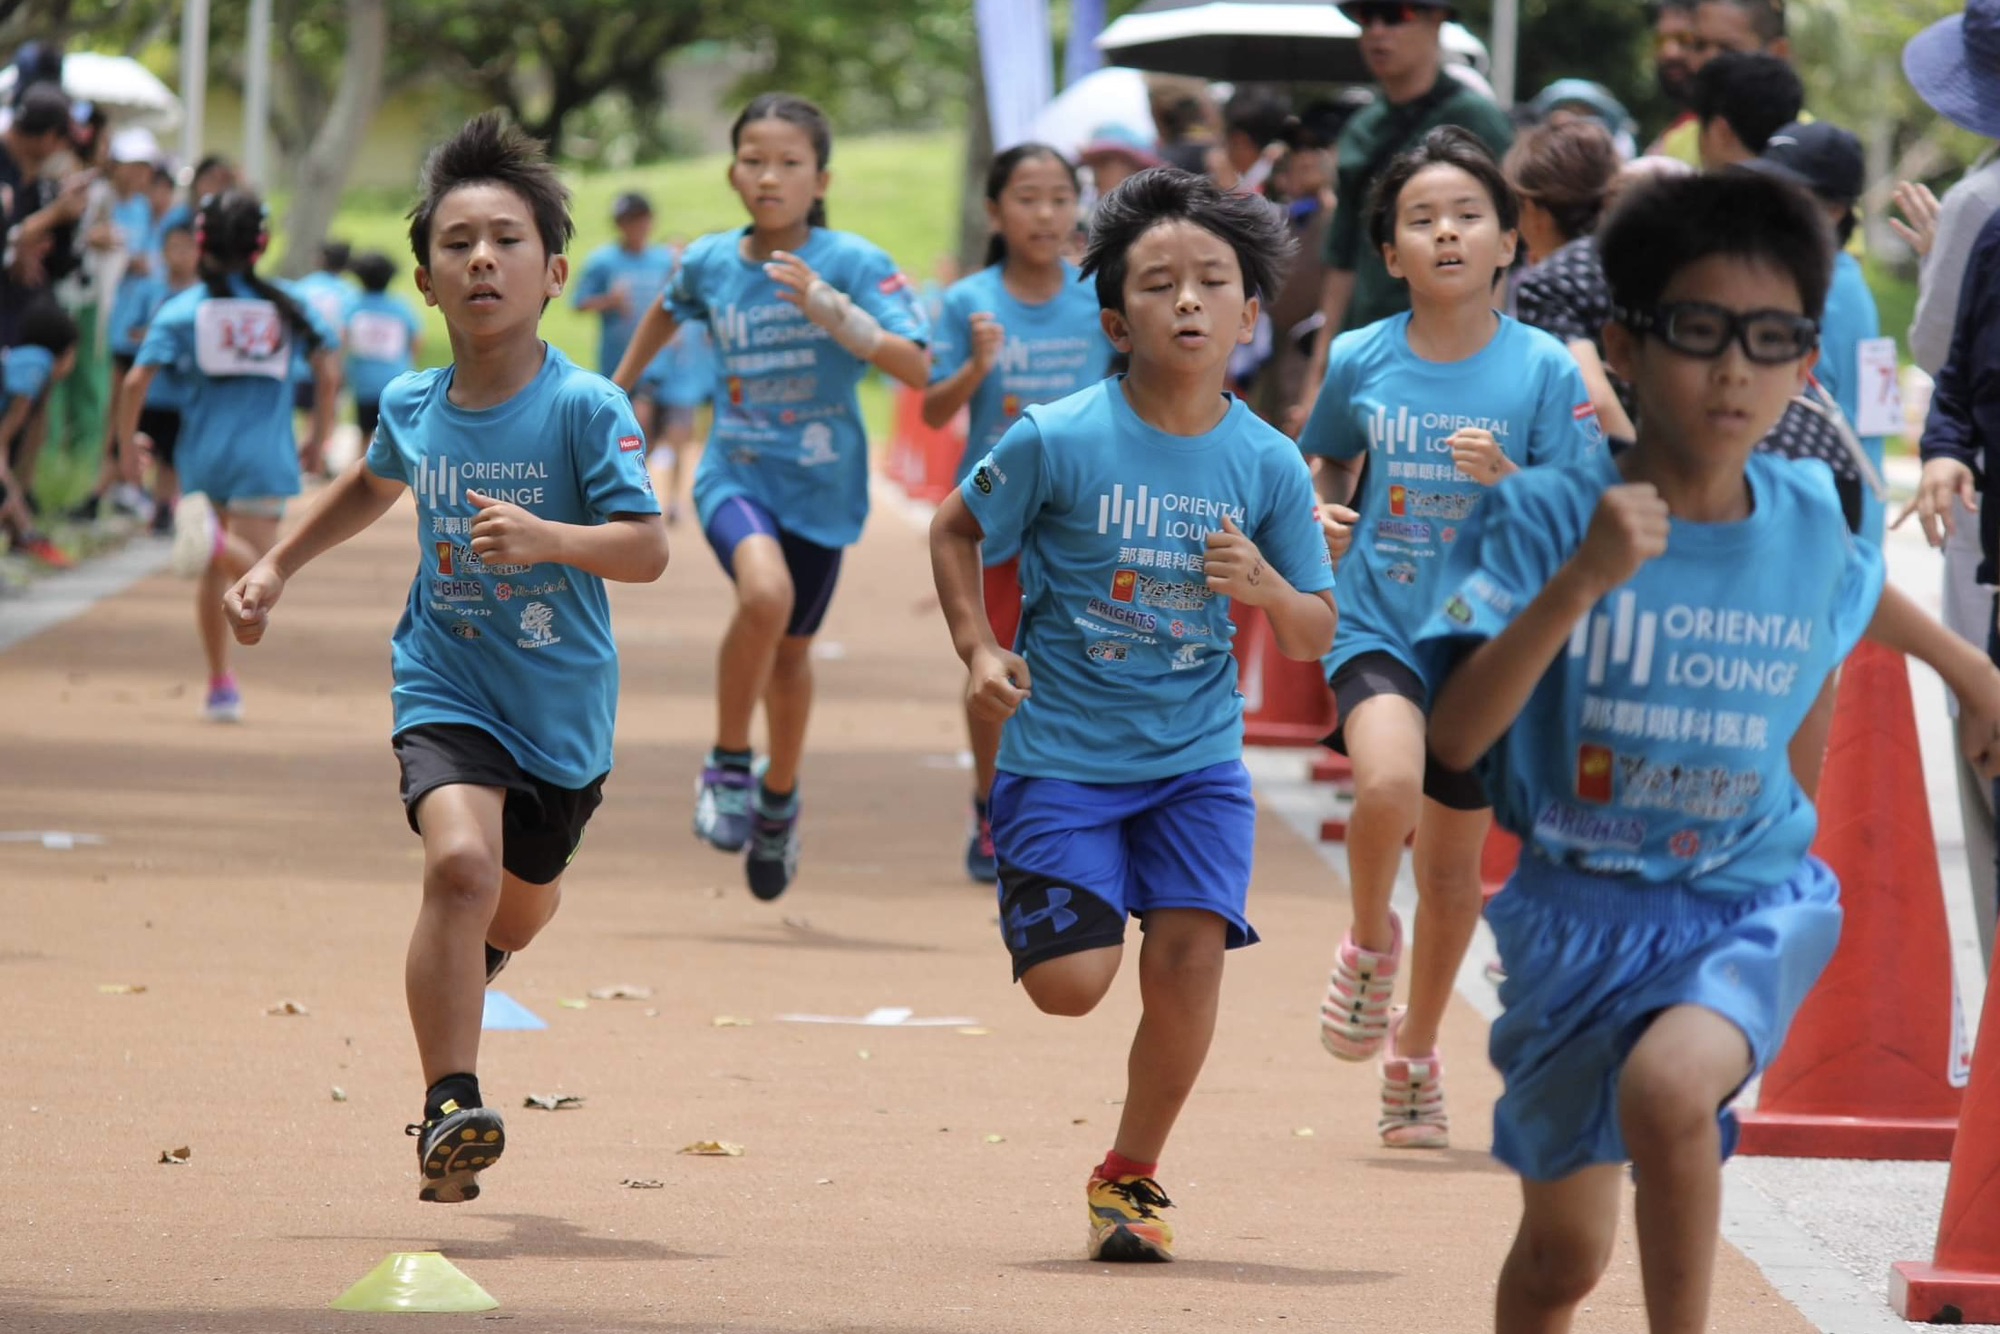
point(1580, 99)
point(1741, 101)
point(1827, 161)
point(1401, 41)
point(1563, 174)
point(1114, 154)
point(1954, 65)
point(1744, 27)
point(381, 336)
point(1302, 183)
point(78, 416)
point(1186, 121)
point(38, 214)
point(212, 175)
point(1673, 72)
point(1254, 124)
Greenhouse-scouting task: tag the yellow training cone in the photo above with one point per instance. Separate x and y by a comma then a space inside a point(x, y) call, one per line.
point(415, 1281)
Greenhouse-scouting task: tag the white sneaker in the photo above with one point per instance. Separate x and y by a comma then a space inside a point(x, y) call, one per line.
point(195, 530)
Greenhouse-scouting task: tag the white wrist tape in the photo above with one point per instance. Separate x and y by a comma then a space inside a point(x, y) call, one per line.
point(852, 327)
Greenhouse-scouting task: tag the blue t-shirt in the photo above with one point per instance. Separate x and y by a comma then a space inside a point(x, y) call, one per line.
point(1383, 400)
point(233, 358)
point(1129, 650)
point(1053, 349)
point(1850, 320)
point(523, 652)
point(643, 277)
point(327, 294)
point(377, 334)
point(1655, 746)
point(24, 372)
point(134, 220)
point(683, 375)
point(788, 433)
point(138, 300)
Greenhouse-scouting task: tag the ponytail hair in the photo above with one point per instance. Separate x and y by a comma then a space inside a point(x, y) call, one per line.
point(794, 110)
point(231, 230)
point(1001, 173)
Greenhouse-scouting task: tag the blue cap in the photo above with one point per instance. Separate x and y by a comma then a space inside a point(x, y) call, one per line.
point(1955, 67)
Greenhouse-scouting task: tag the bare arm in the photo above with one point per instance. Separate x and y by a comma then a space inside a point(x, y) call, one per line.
point(326, 396)
point(657, 328)
point(903, 359)
point(943, 399)
point(1303, 623)
point(1610, 412)
point(627, 548)
point(1334, 479)
point(1902, 625)
point(132, 402)
point(997, 678)
point(1336, 293)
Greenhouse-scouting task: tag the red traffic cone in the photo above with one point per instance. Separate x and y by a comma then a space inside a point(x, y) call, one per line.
point(1961, 1285)
point(1874, 1064)
point(1497, 860)
point(1285, 703)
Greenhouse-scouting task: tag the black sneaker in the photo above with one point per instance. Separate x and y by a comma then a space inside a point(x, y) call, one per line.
point(454, 1149)
point(85, 510)
point(774, 845)
point(496, 959)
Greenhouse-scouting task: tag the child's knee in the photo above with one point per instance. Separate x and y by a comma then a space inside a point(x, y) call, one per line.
point(1660, 1108)
point(1559, 1269)
point(1071, 986)
point(794, 658)
point(1186, 964)
point(1393, 790)
point(463, 874)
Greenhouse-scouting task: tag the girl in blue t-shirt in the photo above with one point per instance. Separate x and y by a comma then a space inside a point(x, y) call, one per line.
point(1439, 404)
point(229, 341)
point(1023, 330)
point(798, 314)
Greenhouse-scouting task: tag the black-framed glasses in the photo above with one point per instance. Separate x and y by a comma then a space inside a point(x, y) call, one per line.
point(1698, 329)
point(1389, 13)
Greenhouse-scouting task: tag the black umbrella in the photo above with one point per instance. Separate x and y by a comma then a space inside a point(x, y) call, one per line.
point(1253, 41)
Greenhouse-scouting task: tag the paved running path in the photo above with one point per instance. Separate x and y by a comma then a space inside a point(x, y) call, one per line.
point(244, 867)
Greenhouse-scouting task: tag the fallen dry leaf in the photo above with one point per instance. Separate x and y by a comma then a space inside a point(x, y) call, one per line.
point(621, 991)
point(863, 1053)
point(1303, 1132)
point(996, 1139)
point(121, 988)
point(642, 1183)
point(714, 1148)
point(972, 1032)
point(176, 1157)
point(554, 1102)
point(339, 1093)
point(1079, 1120)
point(730, 1021)
point(286, 1007)
point(574, 1003)
point(824, 1181)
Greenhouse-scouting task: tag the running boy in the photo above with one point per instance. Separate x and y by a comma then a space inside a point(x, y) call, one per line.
point(1022, 330)
point(1631, 647)
point(799, 313)
point(1141, 506)
point(1440, 405)
point(531, 490)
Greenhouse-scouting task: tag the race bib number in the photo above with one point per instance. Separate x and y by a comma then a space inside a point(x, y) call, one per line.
point(374, 336)
point(329, 306)
point(1880, 407)
point(235, 337)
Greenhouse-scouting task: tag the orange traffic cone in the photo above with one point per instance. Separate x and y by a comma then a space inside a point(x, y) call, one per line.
point(1285, 703)
point(1961, 1286)
point(1875, 1062)
point(923, 459)
point(1497, 860)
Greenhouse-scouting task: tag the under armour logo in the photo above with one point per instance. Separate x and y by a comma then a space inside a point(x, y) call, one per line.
point(1057, 912)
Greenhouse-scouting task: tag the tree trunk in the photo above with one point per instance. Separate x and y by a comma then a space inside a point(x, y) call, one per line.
point(323, 170)
point(972, 225)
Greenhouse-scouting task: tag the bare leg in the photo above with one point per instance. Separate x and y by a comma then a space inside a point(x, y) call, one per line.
point(750, 645)
point(1180, 984)
point(445, 975)
point(1385, 741)
point(1567, 1231)
point(1688, 1062)
point(1072, 985)
point(1449, 901)
point(245, 540)
point(787, 709)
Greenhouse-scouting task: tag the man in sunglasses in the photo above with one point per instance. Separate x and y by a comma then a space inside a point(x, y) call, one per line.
point(1401, 43)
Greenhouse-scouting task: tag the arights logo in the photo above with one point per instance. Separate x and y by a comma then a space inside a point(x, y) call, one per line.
point(1124, 585)
point(1618, 637)
point(1118, 510)
point(1399, 501)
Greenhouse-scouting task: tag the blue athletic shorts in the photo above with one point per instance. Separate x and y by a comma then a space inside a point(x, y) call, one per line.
point(1591, 961)
point(1077, 858)
point(815, 569)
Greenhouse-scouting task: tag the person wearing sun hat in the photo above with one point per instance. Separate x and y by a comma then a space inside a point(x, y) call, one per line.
point(1402, 44)
point(1954, 66)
